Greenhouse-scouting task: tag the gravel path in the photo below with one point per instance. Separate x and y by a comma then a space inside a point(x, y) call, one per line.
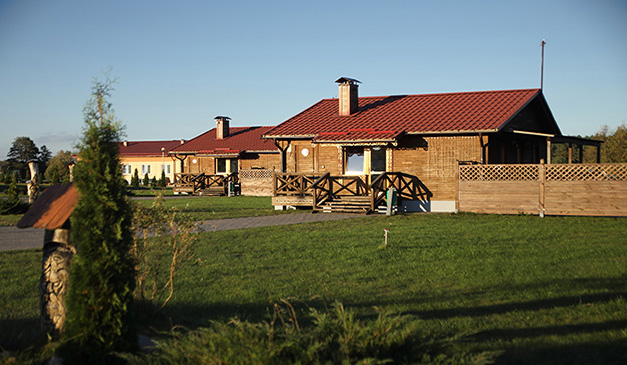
point(13, 238)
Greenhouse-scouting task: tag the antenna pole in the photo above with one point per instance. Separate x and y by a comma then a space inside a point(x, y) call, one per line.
point(542, 65)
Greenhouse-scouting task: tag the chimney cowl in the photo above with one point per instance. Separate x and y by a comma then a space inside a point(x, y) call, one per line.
point(348, 96)
point(125, 143)
point(222, 126)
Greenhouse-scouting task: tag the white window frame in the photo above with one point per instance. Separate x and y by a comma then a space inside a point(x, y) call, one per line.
point(127, 170)
point(146, 169)
point(167, 168)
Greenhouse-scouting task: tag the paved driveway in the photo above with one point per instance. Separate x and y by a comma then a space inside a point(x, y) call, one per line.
point(12, 238)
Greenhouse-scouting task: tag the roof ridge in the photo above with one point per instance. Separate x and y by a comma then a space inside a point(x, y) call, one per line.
point(436, 94)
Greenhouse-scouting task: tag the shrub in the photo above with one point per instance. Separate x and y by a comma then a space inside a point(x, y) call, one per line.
point(102, 273)
point(12, 204)
point(163, 243)
point(333, 336)
point(135, 179)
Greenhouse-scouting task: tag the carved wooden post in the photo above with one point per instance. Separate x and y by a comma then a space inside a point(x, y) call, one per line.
point(53, 283)
point(32, 185)
point(70, 167)
point(52, 211)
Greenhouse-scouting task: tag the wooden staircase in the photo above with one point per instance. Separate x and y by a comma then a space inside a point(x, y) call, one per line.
point(347, 204)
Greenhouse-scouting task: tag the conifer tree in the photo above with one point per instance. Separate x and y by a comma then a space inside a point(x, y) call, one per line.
point(102, 274)
point(146, 180)
point(135, 179)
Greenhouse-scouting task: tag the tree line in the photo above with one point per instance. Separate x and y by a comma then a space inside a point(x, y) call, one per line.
point(23, 149)
point(613, 148)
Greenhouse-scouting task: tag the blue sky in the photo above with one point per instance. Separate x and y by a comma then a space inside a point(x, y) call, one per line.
point(179, 64)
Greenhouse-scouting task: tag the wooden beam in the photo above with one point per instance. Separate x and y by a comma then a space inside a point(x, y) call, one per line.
point(548, 150)
point(570, 153)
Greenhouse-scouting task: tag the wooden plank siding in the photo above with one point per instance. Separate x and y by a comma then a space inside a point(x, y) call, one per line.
point(432, 159)
point(581, 189)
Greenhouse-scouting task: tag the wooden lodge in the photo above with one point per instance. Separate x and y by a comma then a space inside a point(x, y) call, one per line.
point(343, 154)
point(210, 163)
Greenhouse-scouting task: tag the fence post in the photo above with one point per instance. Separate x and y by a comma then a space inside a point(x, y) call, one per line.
point(542, 181)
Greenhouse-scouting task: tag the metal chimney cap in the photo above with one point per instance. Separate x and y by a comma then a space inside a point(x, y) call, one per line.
point(222, 117)
point(347, 80)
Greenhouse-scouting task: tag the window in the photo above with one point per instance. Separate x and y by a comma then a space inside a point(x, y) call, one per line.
point(145, 169)
point(167, 169)
point(226, 165)
point(377, 159)
point(354, 160)
point(221, 165)
point(126, 170)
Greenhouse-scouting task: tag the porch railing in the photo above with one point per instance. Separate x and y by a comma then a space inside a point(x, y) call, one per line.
point(327, 187)
point(195, 182)
point(292, 184)
point(407, 187)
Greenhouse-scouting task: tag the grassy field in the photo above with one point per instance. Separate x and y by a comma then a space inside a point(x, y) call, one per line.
point(201, 208)
point(220, 207)
point(530, 290)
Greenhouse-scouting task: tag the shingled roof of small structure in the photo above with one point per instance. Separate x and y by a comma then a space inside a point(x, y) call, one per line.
point(381, 117)
point(239, 139)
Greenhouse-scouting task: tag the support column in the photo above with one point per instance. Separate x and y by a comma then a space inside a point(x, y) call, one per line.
point(570, 153)
point(548, 150)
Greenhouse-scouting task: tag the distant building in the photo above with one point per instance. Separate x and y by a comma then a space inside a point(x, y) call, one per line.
point(148, 157)
point(225, 150)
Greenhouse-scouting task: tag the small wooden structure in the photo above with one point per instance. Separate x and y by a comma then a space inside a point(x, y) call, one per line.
point(52, 211)
point(222, 151)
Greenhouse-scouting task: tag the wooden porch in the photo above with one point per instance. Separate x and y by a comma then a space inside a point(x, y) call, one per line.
point(349, 194)
point(203, 184)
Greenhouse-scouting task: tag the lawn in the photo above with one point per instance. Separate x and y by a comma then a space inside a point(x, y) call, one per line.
point(199, 208)
point(522, 288)
point(220, 207)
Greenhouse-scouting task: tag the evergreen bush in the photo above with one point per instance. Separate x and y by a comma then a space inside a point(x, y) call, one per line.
point(102, 275)
point(135, 179)
point(146, 180)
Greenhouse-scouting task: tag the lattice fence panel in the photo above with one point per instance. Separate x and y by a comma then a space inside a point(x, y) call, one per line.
point(498, 172)
point(587, 172)
point(256, 174)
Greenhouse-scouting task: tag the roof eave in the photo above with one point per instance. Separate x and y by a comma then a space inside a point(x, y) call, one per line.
point(470, 131)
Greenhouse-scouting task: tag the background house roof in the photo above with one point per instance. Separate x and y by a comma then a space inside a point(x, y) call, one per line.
point(392, 115)
point(239, 139)
point(146, 148)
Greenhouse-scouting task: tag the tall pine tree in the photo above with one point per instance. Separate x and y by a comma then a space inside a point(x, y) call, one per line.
point(102, 275)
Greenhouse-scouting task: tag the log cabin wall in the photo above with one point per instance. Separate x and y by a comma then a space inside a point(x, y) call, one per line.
point(269, 161)
point(435, 163)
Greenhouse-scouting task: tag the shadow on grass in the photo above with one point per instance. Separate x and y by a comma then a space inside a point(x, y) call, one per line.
point(581, 353)
point(533, 305)
point(21, 334)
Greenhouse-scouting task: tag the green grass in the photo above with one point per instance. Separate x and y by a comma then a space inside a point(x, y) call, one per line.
point(551, 290)
point(147, 191)
point(221, 207)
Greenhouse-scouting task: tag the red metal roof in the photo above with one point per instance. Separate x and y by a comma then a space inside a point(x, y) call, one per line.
point(146, 148)
point(239, 139)
point(52, 209)
point(393, 115)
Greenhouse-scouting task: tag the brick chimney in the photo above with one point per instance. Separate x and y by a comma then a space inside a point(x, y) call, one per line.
point(222, 127)
point(349, 97)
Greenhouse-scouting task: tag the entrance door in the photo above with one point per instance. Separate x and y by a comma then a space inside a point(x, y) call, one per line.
point(377, 162)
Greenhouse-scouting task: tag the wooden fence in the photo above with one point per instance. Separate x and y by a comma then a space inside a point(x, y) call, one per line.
point(256, 182)
point(564, 189)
